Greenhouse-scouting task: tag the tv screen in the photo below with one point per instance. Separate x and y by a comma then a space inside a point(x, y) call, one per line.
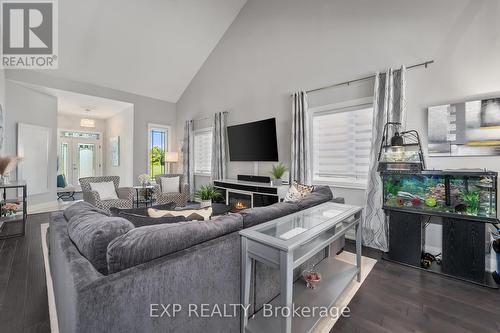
point(254, 141)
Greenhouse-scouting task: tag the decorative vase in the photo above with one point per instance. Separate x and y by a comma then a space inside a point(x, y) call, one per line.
point(276, 182)
point(205, 203)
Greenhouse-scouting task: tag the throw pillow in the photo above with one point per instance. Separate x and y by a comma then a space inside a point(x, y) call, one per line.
point(297, 191)
point(302, 188)
point(170, 184)
point(106, 190)
point(189, 214)
point(293, 195)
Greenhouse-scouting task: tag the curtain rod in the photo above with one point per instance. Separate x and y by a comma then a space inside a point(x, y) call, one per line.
point(426, 63)
point(209, 117)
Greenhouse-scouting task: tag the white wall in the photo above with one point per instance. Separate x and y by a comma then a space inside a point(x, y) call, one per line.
point(24, 105)
point(274, 48)
point(146, 110)
point(121, 125)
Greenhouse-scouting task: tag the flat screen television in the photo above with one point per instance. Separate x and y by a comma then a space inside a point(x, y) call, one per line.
point(253, 142)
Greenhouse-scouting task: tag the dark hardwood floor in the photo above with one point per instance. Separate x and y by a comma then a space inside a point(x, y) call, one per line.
point(393, 298)
point(23, 292)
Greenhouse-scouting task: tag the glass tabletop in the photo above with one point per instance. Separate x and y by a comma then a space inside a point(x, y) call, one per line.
point(293, 225)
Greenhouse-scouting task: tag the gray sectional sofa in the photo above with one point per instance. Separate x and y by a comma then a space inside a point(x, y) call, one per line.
point(110, 276)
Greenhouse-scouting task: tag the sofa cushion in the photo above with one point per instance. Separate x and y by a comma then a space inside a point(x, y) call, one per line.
point(91, 233)
point(81, 208)
point(106, 190)
point(258, 215)
point(147, 243)
point(319, 195)
point(170, 184)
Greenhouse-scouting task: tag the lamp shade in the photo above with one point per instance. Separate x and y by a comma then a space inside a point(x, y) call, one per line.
point(171, 157)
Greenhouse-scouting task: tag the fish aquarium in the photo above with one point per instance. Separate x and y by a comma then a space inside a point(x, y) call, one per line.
point(443, 193)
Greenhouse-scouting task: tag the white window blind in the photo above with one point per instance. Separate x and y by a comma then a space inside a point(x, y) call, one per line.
point(203, 152)
point(341, 143)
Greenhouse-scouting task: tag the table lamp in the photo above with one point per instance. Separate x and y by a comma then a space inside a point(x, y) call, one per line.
point(171, 157)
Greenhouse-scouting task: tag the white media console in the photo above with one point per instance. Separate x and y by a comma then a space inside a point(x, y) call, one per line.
point(241, 194)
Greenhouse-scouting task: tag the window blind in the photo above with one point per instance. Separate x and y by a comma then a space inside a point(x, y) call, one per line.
point(203, 152)
point(341, 142)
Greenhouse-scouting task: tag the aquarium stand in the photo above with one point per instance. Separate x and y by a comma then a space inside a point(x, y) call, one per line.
point(463, 249)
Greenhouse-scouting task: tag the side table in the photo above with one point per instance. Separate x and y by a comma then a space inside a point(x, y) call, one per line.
point(147, 199)
point(14, 209)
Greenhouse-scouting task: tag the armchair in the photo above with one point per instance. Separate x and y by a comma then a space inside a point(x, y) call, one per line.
point(180, 198)
point(125, 194)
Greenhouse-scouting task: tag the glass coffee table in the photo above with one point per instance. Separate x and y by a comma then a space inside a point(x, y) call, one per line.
point(286, 243)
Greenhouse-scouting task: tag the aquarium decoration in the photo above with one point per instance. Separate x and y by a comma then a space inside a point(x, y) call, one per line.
point(403, 152)
point(435, 192)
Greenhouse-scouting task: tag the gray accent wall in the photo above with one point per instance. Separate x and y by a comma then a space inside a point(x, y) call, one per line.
point(274, 48)
point(146, 110)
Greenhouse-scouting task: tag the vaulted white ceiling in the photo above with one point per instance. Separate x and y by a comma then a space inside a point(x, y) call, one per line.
point(147, 47)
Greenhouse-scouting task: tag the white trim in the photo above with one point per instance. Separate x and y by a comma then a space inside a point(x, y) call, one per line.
point(23, 141)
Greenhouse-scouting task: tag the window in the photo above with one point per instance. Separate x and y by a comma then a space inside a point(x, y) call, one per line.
point(341, 142)
point(158, 143)
point(203, 152)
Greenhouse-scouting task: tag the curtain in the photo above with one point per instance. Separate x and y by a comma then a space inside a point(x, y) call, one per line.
point(300, 139)
point(219, 144)
point(389, 105)
point(188, 155)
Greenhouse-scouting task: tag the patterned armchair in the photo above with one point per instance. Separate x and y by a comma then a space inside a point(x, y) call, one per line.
point(125, 194)
point(180, 198)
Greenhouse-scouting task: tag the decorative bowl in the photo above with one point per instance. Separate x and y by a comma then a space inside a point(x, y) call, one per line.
point(311, 277)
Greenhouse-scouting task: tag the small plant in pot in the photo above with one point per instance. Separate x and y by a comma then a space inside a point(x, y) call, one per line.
point(207, 194)
point(277, 172)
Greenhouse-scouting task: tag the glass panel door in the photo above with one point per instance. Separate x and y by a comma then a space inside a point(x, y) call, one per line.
point(158, 146)
point(64, 160)
point(86, 155)
point(79, 156)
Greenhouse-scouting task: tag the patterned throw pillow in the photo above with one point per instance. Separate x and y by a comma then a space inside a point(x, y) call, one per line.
point(302, 188)
point(297, 191)
point(190, 214)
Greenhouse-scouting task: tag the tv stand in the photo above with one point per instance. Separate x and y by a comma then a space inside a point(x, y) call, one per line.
point(246, 194)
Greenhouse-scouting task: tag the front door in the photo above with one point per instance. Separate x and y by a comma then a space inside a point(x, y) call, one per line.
point(79, 156)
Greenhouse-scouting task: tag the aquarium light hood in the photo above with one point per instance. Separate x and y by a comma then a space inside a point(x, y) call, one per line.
point(402, 153)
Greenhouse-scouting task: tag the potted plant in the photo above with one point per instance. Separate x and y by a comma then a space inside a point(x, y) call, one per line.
point(277, 172)
point(207, 194)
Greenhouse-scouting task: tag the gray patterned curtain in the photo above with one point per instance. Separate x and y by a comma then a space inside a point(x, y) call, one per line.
point(300, 139)
point(389, 105)
point(188, 155)
point(219, 144)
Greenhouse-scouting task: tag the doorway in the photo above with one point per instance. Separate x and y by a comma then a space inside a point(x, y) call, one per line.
point(80, 155)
